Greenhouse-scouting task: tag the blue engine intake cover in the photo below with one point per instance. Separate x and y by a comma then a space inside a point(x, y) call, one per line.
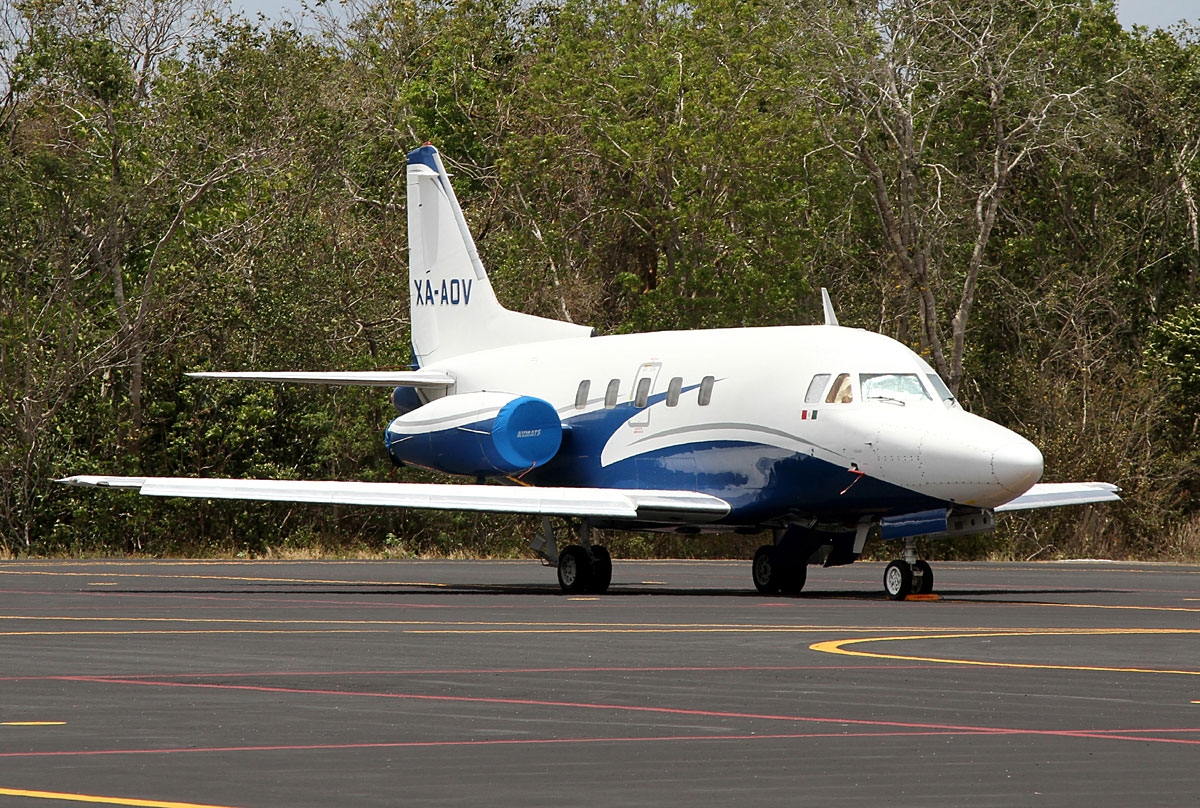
point(477, 434)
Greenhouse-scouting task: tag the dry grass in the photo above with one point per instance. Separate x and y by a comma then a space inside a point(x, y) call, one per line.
point(1183, 544)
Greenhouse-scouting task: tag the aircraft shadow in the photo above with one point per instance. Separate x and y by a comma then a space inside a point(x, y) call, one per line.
point(617, 591)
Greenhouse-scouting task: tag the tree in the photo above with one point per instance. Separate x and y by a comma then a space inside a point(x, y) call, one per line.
point(937, 104)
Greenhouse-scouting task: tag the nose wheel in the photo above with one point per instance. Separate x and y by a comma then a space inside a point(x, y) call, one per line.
point(908, 576)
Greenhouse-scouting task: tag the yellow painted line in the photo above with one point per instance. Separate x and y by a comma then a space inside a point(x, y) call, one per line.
point(241, 578)
point(839, 647)
point(168, 632)
point(103, 583)
point(95, 800)
point(32, 723)
point(641, 630)
point(1118, 608)
point(498, 624)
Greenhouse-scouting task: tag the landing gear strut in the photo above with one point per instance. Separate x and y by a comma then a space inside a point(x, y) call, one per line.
point(583, 567)
point(909, 575)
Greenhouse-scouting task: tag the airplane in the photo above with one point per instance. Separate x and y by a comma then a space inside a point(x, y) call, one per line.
point(824, 435)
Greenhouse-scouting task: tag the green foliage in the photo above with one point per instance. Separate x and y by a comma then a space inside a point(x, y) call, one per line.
point(1173, 354)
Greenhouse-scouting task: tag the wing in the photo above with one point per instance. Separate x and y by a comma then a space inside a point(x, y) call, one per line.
point(1049, 495)
point(362, 378)
point(615, 503)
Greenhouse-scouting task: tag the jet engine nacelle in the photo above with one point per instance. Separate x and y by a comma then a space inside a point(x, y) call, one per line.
point(478, 434)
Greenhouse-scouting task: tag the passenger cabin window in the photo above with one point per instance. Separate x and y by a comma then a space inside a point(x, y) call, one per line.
point(610, 395)
point(582, 393)
point(674, 388)
point(892, 388)
point(706, 388)
point(840, 392)
point(642, 394)
point(815, 388)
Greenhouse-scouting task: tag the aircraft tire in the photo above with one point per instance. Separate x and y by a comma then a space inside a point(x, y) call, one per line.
point(923, 574)
point(766, 574)
point(574, 570)
point(601, 570)
point(794, 579)
point(898, 580)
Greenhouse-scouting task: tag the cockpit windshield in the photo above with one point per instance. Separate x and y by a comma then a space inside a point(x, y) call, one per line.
point(893, 388)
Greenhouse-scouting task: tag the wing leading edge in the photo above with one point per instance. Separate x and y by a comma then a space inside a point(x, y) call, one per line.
point(1051, 495)
point(359, 378)
point(681, 507)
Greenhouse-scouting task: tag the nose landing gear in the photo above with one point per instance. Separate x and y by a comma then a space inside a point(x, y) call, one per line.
point(908, 575)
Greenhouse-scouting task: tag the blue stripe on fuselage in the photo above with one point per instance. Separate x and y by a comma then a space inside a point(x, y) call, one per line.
point(762, 483)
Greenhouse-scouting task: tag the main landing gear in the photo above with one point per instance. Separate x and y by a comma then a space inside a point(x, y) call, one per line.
point(583, 567)
point(775, 573)
point(782, 568)
point(908, 575)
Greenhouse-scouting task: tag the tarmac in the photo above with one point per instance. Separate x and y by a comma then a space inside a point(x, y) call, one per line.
point(387, 683)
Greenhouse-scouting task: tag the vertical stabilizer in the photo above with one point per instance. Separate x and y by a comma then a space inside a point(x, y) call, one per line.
point(452, 306)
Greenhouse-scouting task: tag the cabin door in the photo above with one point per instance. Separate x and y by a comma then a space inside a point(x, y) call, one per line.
point(639, 396)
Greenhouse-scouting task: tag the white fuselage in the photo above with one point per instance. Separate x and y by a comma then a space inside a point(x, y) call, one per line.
point(784, 422)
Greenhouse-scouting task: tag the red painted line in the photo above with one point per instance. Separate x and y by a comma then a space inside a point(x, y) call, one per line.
point(901, 725)
point(129, 678)
point(577, 705)
point(226, 600)
point(1136, 731)
point(1118, 735)
point(333, 747)
point(633, 708)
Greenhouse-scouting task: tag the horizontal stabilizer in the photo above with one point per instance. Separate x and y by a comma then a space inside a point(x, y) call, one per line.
point(1050, 495)
point(614, 503)
point(359, 378)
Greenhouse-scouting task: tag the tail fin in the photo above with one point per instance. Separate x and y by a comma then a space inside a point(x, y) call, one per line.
point(451, 303)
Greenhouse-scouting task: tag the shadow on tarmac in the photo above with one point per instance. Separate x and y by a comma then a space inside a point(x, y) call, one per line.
point(617, 591)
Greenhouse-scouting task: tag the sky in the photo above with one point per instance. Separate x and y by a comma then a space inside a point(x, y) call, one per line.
point(1157, 13)
point(1150, 13)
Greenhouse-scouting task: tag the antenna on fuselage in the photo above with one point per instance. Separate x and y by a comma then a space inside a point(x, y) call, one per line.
point(827, 305)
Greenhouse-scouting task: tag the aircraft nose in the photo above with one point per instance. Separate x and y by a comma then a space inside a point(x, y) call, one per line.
point(1017, 465)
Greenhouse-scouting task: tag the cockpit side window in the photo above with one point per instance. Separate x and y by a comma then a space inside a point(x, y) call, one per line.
point(840, 392)
point(939, 387)
point(815, 388)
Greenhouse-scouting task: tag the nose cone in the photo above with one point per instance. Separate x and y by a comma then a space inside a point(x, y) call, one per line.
point(1017, 465)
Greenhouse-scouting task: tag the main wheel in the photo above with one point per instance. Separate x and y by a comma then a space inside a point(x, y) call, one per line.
point(898, 580)
point(922, 578)
point(601, 570)
point(766, 576)
point(794, 578)
point(574, 570)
